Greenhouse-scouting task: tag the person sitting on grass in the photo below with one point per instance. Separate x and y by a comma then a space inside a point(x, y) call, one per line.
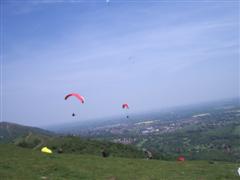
point(104, 153)
point(148, 154)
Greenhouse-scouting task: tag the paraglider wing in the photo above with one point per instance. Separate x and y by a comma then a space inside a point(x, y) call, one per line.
point(125, 106)
point(46, 150)
point(78, 96)
point(181, 158)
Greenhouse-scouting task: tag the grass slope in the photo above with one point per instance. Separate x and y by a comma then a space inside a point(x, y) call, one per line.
point(35, 138)
point(10, 131)
point(20, 163)
point(77, 145)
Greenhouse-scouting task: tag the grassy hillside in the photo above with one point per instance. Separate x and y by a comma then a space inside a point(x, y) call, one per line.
point(77, 145)
point(10, 131)
point(20, 163)
point(35, 138)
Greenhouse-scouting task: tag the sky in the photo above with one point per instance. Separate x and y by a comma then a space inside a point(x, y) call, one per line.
point(149, 54)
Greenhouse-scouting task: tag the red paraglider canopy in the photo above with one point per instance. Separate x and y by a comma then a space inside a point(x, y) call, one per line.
point(125, 106)
point(78, 96)
point(181, 158)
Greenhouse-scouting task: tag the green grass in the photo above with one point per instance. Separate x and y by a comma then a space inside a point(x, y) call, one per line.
point(77, 145)
point(19, 163)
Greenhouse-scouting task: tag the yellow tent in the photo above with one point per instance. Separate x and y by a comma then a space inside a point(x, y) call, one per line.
point(46, 150)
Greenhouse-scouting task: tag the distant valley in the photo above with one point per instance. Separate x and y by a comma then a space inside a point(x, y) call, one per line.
point(204, 131)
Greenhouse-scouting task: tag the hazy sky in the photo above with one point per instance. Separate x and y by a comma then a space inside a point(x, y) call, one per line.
point(150, 54)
